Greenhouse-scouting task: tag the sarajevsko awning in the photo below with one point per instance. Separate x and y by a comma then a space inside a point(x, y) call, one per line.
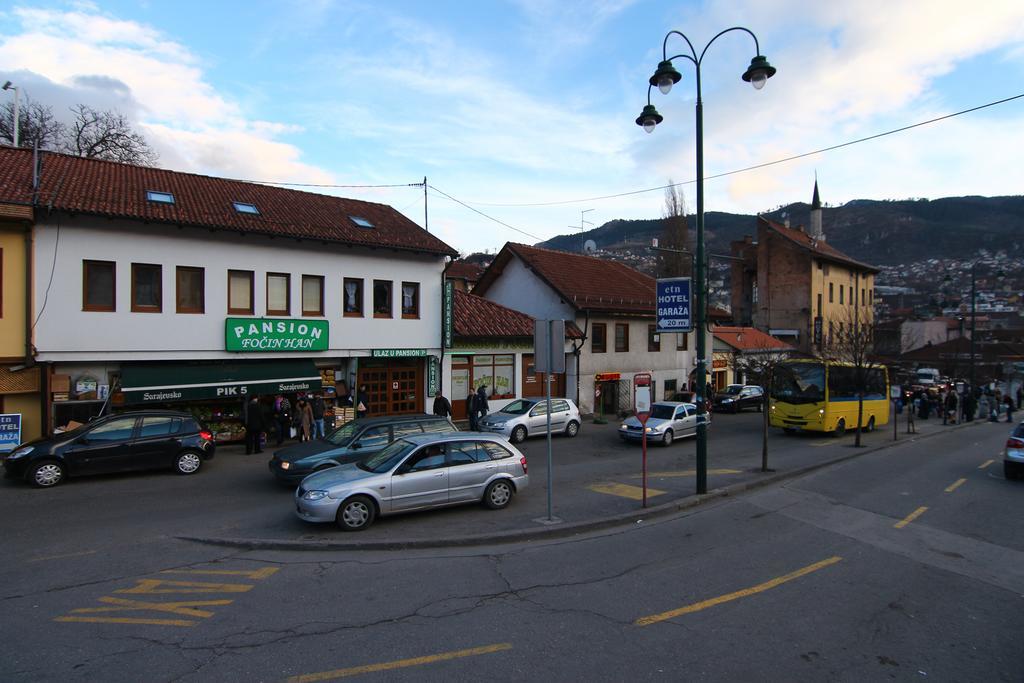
point(168, 382)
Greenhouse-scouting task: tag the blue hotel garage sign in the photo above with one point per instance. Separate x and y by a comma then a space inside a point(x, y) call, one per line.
point(275, 334)
point(10, 431)
point(674, 305)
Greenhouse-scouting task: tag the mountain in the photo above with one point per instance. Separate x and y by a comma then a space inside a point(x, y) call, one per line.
point(877, 232)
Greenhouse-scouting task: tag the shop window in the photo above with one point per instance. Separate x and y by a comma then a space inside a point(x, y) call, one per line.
point(98, 280)
point(240, 291)
point(496, 372)
point(352, 292)
point(312, 295)
point(653, 338)
point(147, 296)
point(598, 338)
point(190, 296)
point(279, 293)
point(381, 298)
point(682, 341)
point(410, 300)
point(621, 337)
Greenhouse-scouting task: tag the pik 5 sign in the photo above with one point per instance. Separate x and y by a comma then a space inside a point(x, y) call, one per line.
point(674, 305)
point(270, 334)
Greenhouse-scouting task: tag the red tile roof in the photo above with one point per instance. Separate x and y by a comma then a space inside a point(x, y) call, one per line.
point(105, 188)
point(585, 282)
point(464, 270)
point(818, 247)
point(477, 317)
point(749, 339)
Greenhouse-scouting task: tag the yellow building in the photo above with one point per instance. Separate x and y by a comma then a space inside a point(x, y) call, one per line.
point(19, 379)
point(794, 285)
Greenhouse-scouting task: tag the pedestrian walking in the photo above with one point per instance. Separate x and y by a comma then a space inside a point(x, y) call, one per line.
point(471, 410)
point(283, 413)
point(304, 420)
point(1020, 395)
point(362, 401)
point(1008, 402)
point(442, 407)
point(254, 426)
point(482, 408)
point(318, 416)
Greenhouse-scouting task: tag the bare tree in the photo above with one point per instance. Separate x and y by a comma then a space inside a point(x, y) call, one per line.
point(853, 342)
point(675, 234)
point(760, 366)
point(36, 125)
point(107, 135)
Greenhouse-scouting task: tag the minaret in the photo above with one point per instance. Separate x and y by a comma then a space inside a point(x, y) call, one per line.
point(816, 232)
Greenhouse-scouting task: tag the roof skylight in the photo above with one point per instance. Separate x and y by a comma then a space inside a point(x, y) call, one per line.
point(242, 207)
point(161, 197)
point(361, 222)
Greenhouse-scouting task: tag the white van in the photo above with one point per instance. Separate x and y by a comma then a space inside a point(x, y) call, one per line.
point(927, 376)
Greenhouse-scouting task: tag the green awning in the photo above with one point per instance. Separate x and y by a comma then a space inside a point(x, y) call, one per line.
point(188, 381)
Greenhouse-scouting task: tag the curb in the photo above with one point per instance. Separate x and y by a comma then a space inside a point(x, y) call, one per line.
point(545, 533)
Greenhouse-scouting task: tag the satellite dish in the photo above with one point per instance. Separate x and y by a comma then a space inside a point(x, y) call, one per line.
point(589, 247)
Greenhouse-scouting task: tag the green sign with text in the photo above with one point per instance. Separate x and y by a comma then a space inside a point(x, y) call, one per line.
point(275, 334)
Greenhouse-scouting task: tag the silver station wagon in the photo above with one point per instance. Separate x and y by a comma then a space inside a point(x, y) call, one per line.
point(415, 473)
point(529, 417)
point(668, 421)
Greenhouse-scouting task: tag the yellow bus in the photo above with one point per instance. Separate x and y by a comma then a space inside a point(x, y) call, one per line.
point(821, 396)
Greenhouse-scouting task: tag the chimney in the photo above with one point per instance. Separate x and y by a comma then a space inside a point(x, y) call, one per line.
point(815, 228)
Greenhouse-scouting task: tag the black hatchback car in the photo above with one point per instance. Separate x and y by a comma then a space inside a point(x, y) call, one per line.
point(736, 397)
point(141, 440)
point(351, 442)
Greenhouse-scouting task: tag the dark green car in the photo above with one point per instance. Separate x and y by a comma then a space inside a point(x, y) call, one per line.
point(353, 441)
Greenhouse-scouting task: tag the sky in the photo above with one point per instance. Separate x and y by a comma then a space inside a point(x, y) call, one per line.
point(521, 114)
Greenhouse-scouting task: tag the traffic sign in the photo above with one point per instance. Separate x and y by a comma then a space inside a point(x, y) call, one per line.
point(674, 305)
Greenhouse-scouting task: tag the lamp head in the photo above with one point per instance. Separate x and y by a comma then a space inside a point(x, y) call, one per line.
point(759, 71)
point(665, 76)
point(649, 118)
point(7, 85)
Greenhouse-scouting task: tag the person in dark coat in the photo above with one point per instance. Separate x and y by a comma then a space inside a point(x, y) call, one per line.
point(482, 408)
point(1008, 403)
point(442, 407)
point(362, 401)
point(471, 410)
point(319, 408)
point(254, 426)
point(283, 413)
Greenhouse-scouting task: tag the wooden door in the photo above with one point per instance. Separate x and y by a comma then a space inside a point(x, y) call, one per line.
point(394, 387)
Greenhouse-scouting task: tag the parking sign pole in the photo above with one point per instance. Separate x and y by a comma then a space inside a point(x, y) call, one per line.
point(547, 387)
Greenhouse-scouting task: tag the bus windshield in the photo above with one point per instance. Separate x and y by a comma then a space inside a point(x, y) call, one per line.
point(799, 383)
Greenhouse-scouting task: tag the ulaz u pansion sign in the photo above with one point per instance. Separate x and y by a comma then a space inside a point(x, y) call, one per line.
point(273, 334)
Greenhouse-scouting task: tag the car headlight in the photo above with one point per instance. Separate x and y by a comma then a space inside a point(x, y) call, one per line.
point(285, 465)
point(821, 411)
point(623, 426)
point(20, 452)
point(314, 495)
point(727, 400)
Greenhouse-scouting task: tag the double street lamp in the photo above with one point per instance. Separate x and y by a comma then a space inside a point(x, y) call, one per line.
point(664, 78)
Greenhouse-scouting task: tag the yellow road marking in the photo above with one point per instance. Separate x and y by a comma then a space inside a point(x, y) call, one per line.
point(185, 608)
point(252, 574)
point(955, 485)
point(910, 518)
point(985, 464)
point(61, 557)
point(625, 491)
point(760, 588)
point(683, 473)
point(153, 586)
point(129, 620)
point(399, 664)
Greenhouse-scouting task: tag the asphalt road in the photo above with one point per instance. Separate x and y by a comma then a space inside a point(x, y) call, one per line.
point(837, 575)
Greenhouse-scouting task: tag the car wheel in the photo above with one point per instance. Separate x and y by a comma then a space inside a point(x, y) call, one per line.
point(1009, 470)
point(356, 513)
point(667, 439)
point(572, 429)
point(840, 428)
point(46, 474)
point(498, 494)
point(518, 434)
point(871, 424)
point(188, 463)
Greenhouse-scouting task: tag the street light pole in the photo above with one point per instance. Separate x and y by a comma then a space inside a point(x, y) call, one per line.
point(974, 308)
point(664, 78)
point(9, 86)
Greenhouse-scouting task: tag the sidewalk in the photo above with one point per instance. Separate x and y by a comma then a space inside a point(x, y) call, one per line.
point(597, 483)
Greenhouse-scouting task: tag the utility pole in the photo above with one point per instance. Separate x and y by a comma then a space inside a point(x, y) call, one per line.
point(9, 86)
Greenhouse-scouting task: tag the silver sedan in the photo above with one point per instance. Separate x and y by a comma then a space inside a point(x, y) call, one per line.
point(529, 417)
point(668, 420)
point(415, 473)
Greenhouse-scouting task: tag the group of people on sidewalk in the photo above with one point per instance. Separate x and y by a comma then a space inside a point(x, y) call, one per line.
point(278, 418)
point(476, 406)
point(956, 407)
